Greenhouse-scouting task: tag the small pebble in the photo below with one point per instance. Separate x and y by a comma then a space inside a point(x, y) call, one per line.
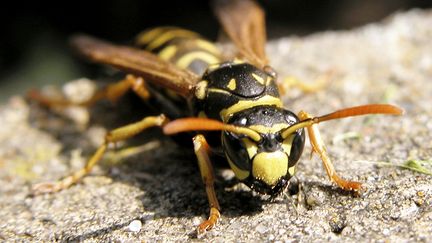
point(261, 229)
point(196, 221)
point(135, 226)
point(337, 223)
point(271, 237)
point(420, 193)
point(79, 90)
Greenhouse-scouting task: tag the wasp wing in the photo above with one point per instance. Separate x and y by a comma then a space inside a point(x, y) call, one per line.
point(244, 23)
point(138, 62)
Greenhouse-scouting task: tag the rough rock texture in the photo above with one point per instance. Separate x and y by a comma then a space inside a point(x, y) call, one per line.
point(157, 195)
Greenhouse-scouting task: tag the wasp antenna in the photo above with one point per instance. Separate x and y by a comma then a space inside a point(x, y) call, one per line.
point(306, 123)
point(204, 124)
point(192, 124)
point(385, 109)
point(369, 109)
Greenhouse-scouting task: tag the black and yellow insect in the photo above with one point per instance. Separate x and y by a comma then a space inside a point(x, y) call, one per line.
point(237, 99)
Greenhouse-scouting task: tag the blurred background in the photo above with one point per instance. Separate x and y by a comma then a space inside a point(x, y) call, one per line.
point(34, 47)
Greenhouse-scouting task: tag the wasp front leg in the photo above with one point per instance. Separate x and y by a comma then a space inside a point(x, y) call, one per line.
point(113, 136)
point(111, 92)
point(319, 147)
point(202, 149)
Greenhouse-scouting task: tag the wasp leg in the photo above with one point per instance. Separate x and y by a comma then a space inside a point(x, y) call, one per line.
point(319, 147)
point(111, 92)
point(202, 153)
point(114, 91)
point(292, 82)
point(121, 133)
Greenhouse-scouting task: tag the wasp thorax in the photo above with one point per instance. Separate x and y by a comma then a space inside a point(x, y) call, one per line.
point(231, 87)
point(265, 165)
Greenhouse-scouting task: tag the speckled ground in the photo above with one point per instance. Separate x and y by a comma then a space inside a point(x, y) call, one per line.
point(161, 188)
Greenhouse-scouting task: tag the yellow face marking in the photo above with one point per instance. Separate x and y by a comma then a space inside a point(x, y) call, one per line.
point(208, 46)
point(168, 52)
point(273, 129)
point(270, 167)
point(258, 78)
point(187, 59)
point(201, 89)
point(239, 173)
point(251, 147)
point(169, 35)
point(232, 84)
point(244, 104)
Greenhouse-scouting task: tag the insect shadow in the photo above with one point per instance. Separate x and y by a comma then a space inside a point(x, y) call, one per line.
point(175, 188)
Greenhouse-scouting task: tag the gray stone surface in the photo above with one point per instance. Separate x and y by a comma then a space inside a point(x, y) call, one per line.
point(160, 186)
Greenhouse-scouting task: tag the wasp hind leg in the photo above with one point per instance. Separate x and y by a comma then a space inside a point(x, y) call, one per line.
point(319, 147)
point(202, 149)
point(119, 134)
point(292, 82)
point(111, 92)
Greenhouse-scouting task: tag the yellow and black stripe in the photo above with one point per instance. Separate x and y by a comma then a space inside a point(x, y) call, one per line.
point(236, 93)
point(243, 95)
point(184, 48)
point(233, 87)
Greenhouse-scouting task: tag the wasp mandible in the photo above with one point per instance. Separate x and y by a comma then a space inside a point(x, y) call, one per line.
point(235, 101)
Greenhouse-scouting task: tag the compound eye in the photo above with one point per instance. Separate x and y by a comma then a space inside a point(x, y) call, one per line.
point(236, 150)
point(296, 147)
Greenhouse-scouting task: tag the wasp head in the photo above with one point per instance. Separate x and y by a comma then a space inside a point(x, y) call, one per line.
point(264, 143)
point(268, 162)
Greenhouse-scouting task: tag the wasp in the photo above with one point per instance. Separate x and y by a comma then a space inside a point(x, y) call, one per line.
point(236, 102)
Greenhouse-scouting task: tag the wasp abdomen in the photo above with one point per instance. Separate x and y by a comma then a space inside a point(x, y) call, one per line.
point(184, 48)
